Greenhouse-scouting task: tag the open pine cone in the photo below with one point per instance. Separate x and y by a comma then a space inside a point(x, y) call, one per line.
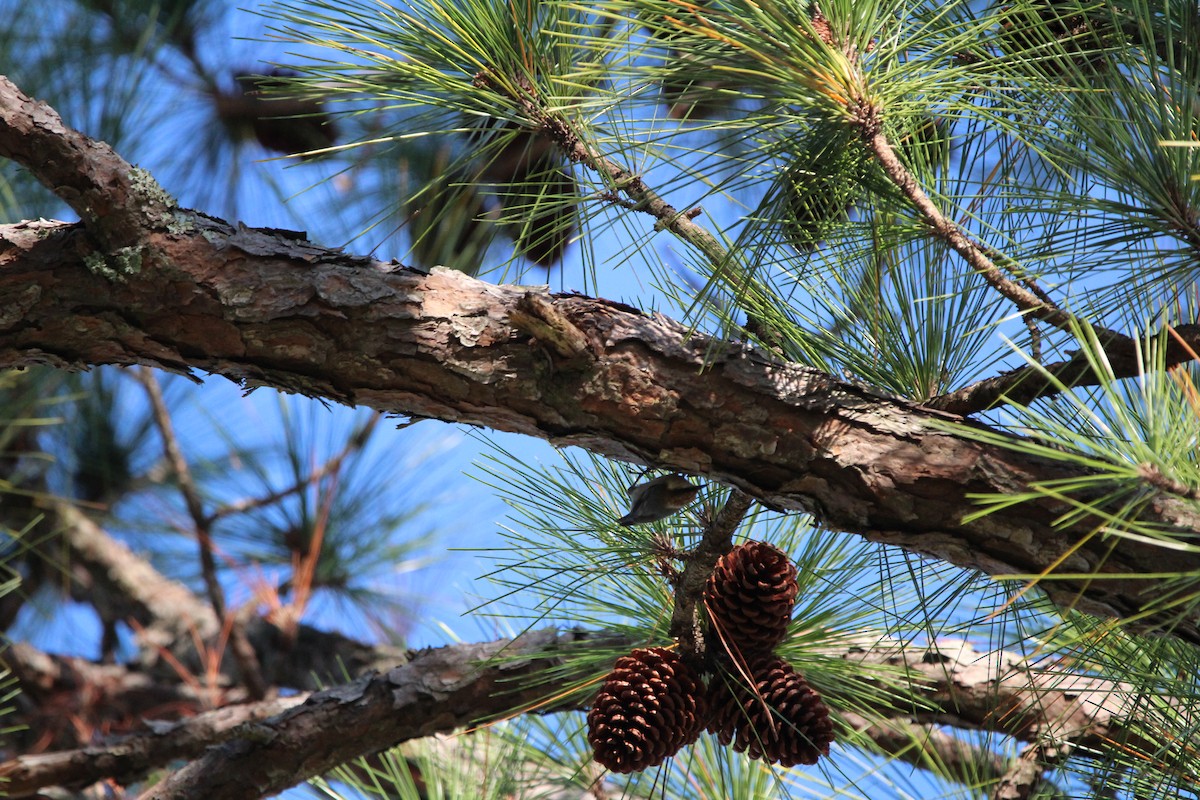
point(749, 597)
point(651, 705)
point(779, 719)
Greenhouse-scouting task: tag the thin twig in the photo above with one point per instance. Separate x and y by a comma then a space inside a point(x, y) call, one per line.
point(1035, 339)
point(243, 651)
point(640, 197)
point(330, 467)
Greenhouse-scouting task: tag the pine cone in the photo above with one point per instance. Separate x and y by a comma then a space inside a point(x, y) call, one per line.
point(749, 597)
point(651, 705)
point(781, 719)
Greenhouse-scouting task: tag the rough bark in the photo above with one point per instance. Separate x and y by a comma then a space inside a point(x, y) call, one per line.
point(133, 701)
point(143, 282)
point(438, 691)
point(112, 197)
point(264, 308)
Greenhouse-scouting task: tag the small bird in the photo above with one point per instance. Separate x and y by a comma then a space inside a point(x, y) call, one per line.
point(658, 499)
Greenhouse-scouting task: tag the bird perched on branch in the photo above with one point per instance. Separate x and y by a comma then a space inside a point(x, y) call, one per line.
point(658, 499)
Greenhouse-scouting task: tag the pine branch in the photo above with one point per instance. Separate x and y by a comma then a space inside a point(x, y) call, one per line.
point(443, 346)
point(641, 197)
point(631, 191)
point(1029, 299)
point(330, 467)
point(1021, 385)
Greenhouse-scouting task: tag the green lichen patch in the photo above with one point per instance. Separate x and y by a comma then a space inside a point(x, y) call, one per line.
point(116, 266)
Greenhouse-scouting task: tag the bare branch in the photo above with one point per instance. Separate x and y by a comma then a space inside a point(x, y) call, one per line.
point(127, 587)
point(330, 467)
point(243, 652)
point(128, 759)
point(171, 619)
point(1026, 384)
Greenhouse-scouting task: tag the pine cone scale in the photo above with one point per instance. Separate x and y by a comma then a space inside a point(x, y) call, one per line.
point(778, 717)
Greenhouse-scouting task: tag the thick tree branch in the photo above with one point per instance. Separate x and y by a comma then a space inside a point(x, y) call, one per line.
point(268, 308)
point(129, 758)
point(1043, 702)
point(264, 308)
point(438, 691)
point(928, 744)
point(447, 688)
point(65, 701)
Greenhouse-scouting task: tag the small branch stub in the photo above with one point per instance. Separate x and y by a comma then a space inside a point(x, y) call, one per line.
point(537, 315)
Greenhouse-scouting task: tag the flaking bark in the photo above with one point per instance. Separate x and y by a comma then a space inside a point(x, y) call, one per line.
point(266, 308)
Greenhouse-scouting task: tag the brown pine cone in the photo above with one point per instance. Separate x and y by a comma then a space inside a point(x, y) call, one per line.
point(781, 719)
point(651, 705)
point(749, 597)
